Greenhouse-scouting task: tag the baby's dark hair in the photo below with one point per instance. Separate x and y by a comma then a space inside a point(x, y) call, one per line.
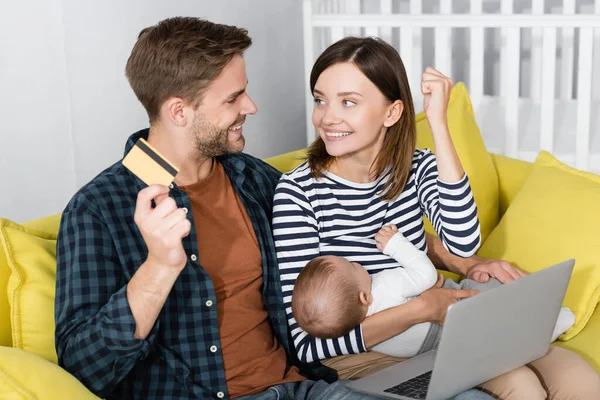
point(325, 303)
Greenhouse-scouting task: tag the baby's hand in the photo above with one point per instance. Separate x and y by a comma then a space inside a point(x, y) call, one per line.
point(384, 235)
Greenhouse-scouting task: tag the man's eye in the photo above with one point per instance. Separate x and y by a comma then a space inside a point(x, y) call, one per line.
point(232, 101)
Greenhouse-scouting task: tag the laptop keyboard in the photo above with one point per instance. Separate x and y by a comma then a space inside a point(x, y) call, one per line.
point(415, 388)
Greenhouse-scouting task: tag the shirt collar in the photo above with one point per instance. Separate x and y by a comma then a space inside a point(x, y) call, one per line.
point(134, 138)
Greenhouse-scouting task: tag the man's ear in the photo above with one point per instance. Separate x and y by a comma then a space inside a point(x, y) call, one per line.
point(393, 113)
point(365, 298)
point(175, 110)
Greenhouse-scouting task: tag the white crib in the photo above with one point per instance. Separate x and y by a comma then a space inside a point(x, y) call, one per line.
point(523, 62)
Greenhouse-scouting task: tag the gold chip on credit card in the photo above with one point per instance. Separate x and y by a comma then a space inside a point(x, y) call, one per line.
point(149, 165)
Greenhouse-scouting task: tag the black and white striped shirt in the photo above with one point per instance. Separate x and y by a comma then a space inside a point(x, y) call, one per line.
point(333, 216)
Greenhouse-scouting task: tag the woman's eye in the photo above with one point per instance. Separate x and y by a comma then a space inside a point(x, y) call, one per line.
point(319, 101)
point(348, 103)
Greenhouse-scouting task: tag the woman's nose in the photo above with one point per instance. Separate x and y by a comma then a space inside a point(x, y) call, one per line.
point(331, 116)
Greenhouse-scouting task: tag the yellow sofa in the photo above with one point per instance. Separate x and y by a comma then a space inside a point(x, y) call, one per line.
point(24, 375)
point(513, 224)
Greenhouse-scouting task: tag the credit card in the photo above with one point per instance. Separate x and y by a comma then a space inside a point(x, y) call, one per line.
point(149, 165)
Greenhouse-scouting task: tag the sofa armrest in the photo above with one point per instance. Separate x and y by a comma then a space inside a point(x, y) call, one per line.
point(512, 173)
point(27, 376)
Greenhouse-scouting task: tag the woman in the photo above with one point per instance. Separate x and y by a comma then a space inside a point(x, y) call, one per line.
point(364, 172)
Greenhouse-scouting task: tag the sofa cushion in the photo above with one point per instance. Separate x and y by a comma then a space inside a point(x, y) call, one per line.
point(27, 376)
point(47, 224)
point(5, 334)
point(31, 256)
point(554, 217)
point(473, 155)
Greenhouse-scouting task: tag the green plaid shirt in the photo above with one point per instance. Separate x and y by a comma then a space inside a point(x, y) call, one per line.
point(99, 250)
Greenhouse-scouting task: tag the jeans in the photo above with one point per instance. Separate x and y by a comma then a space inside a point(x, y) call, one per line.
point(321, 390)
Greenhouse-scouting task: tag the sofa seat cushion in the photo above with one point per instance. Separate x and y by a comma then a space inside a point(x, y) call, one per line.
point(553, 218)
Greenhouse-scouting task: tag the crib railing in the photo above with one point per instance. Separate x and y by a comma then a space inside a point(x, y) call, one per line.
point(545, 54)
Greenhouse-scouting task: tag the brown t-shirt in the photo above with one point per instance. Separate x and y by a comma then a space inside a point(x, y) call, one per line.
point(230, 254)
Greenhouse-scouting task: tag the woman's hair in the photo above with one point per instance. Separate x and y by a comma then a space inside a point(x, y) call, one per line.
point(382, 65)
point(325, 302)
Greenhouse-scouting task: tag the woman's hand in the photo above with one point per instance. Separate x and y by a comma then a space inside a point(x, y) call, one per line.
point(436, 88)
point(435, 301)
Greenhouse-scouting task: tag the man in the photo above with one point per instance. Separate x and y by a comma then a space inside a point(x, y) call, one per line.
point(174, 292)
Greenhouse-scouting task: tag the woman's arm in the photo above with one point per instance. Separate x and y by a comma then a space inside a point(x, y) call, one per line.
point(443, 259)
point(477, 268)
point(296, 236)
point(436, 90)
point(430, 306)
point(443, 187)
point(451, 208)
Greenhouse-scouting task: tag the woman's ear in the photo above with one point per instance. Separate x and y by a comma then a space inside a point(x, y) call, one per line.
point(365, 298)
point(394, 112)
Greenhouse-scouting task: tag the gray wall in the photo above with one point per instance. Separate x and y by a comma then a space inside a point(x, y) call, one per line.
point(67, 109)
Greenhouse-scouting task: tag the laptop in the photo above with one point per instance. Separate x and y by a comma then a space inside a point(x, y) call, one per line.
point(484, 336)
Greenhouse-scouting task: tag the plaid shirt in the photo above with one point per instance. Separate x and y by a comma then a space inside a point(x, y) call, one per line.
point(99, 250)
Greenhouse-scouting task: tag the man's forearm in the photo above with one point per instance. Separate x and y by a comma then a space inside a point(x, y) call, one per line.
point(443, 259)
point(147, 292)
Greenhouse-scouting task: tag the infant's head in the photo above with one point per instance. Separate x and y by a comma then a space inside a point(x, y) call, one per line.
point(331, 296)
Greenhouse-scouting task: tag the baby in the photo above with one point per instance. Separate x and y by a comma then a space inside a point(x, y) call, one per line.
point(333, 295)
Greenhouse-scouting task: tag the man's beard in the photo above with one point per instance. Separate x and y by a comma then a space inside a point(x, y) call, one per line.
point(212, 141)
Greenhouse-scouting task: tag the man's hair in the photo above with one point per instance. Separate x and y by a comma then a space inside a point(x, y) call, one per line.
point(324, 302)
point(179, 57)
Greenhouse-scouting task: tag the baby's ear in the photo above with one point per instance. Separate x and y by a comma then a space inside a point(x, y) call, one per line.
point(365, 298)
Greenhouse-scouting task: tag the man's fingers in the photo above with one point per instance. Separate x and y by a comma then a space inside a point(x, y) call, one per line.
point(181, 230)
point(143, 205)
point(166, 207)
point(158, 199)
point(174, 218)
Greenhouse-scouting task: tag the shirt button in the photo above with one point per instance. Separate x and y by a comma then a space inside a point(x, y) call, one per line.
point(208, 303)
point(171, 186)
point(213, 349)
point(220, 395)
point(193, 257)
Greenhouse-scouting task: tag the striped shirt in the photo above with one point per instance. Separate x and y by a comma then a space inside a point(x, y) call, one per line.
point(333, 216)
